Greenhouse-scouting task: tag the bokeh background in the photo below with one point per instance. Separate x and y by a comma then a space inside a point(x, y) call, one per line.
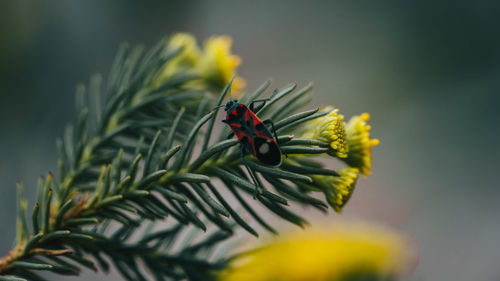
point(427, 71)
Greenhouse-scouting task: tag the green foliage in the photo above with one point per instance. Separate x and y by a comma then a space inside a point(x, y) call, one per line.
point(129, 161)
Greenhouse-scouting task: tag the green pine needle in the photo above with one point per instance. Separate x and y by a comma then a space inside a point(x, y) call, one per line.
point(133, 157)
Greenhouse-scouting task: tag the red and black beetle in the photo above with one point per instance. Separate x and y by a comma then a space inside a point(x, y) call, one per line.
point(255, 138)
point(251, 132)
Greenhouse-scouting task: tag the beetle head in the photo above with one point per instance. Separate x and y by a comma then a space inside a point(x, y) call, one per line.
point(230, 105)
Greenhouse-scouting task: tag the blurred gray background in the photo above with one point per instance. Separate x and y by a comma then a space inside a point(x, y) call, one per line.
point(427, 71)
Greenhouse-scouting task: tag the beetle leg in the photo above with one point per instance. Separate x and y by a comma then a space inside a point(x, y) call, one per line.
point(252, 175)
point(259, 100)
point(270, 121)
point(230, 135)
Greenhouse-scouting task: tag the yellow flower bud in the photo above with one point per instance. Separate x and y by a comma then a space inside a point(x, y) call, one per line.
point(338, 190)
point(217, 65)
point(188, 56)
point(190, 53)
point(359, 143)
point(328, 128)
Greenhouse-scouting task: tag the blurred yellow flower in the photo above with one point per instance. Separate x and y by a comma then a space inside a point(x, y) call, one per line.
point(338, 190)
point(359, 143)
point(188, 56)
point(329, 128)
point(346, 251)
point(190, 53)
point(217, 65)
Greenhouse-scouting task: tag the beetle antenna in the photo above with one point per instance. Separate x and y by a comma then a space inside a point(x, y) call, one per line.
point(229, 87)
point(219, 106)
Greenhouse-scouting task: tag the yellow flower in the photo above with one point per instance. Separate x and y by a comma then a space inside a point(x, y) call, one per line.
point(347, 251)
point(188, 56)
point(217, 65)
point(329, 128)
point(338, 190)
point(190, 53)
point(359, 143)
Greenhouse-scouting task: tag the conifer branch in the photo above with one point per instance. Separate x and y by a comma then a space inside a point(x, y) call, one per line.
point(130, 159)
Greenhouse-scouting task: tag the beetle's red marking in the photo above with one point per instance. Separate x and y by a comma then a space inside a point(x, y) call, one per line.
point(261, 135)
point(251, 132)
point(256, 121)
point(235, 125)
point(240, 135)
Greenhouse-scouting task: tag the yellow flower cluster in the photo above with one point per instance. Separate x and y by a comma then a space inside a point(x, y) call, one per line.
point(338, 190)
point(359, 143)
point(215, 63)
point(329, 128)
point(188, 56)
point(351, 143)
point(349, 251)
point(218, 64)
